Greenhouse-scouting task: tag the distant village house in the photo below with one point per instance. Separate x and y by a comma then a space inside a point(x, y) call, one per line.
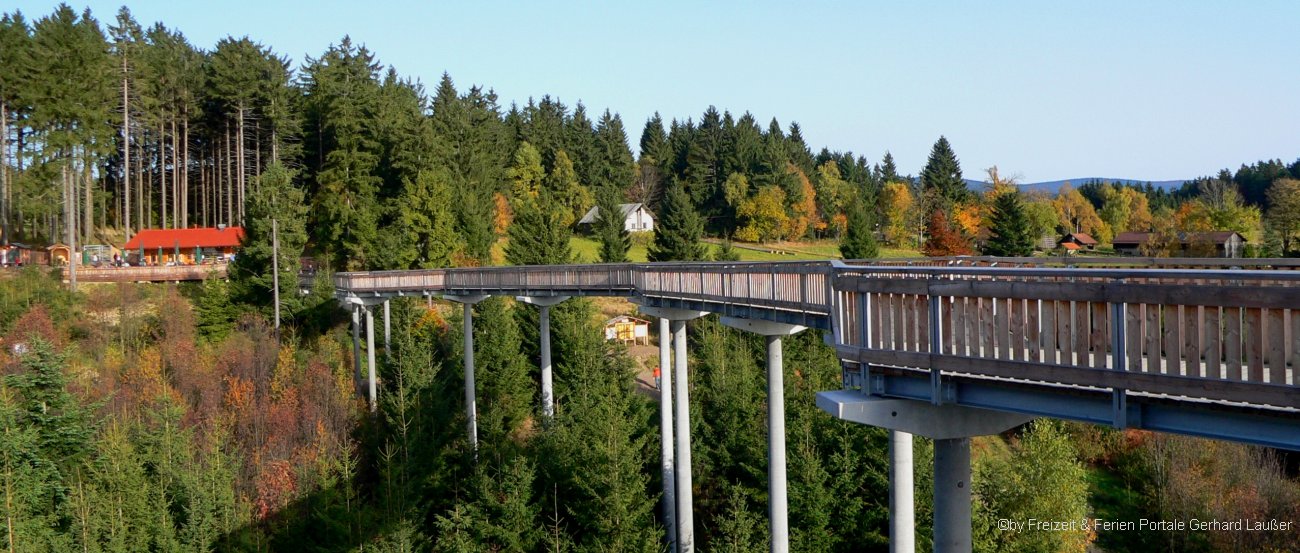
point(1076, 241)
point(1224, 243)
point(636, 218)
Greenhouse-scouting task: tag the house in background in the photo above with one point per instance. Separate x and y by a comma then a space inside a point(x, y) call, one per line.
point(1221, 243)
point(184, 246)
point(1076, 241)
point(636, 218)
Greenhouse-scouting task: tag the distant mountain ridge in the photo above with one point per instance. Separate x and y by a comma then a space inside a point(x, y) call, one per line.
point(1053, 186)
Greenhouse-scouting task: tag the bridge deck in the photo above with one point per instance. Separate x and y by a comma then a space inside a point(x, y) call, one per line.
point(1187, 331)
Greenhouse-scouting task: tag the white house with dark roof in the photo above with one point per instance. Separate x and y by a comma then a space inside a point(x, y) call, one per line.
point(636, 218)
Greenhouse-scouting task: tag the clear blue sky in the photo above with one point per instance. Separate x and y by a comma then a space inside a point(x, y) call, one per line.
point(1046, 90)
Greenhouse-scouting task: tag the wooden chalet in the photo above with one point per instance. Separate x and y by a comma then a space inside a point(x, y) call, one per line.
point(188, 246)
point(1075, 241)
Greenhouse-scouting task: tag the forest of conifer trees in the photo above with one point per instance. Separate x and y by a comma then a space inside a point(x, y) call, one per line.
point(175, 418)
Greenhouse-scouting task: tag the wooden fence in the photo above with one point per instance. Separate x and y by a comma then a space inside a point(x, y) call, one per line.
point(148, 274)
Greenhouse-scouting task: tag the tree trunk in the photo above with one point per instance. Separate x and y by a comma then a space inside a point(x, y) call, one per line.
point(230, 181)
point(70, 223)
point(139, 184)
point(185, 162)
point(4, 174)
point(177, 170)
point(89, 206)
point(126, 147)
point(162, 174)
point(240, 152)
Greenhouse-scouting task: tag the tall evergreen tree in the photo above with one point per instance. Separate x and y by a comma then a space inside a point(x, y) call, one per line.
point(860, 235)
point(610, 227)
point(538, 235)
point(678, 231)
point(1011, 234)
point(888, 171)
point(942, 174)
point(426, 225)
point(274, 197)
point(614, 165)
point(342, 90)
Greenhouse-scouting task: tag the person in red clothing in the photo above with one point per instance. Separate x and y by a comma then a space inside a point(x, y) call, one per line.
point(656, 377)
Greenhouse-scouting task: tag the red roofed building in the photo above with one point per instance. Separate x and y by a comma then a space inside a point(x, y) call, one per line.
point(184, 246)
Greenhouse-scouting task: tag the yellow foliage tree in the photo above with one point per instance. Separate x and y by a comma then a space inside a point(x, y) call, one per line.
point(1076, 214)
point(763, 215)
point(896, 202)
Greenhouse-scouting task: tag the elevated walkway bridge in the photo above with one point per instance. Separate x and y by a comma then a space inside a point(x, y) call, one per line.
point(945, 347)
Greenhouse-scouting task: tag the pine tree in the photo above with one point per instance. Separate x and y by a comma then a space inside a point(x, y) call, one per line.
point(538, 235)
point(860, 235)
point(426, 226)
point(678, 231)
point(342, 89)
point(942, 174)
point(610, 227)
point(1010, 232)
point(252, 282)
point(614, 165)
point(888, 171)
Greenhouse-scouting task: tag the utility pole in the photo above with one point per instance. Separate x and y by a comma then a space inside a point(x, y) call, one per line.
point(275, 272)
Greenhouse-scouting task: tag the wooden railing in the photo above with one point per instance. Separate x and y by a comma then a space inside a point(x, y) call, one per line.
point(1222, 330)
point(1220, 335)
point(148, 274)
point(792, 286)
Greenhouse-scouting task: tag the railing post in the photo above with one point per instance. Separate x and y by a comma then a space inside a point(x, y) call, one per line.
point(936, 340)
point(1119, 358)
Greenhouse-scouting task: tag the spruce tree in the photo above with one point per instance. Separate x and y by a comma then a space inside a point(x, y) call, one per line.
point(1011, 234)
point(538, 235)
point(426, 226)
point(942, 174)
point(678, 230)
point(860, 236)
point(251, 279)
point(610, 227)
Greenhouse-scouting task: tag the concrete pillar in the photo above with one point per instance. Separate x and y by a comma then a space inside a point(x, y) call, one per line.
point(685, 508)
point(776, 482)
point(902, 515)
point(370, 356)
point(471, 410)
point(544, 304)
point(388, 330)
point(952, 508)
point(950, 426)
point(356, 349)
point(548, 390)
point(778, 502)
point(666, 433)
